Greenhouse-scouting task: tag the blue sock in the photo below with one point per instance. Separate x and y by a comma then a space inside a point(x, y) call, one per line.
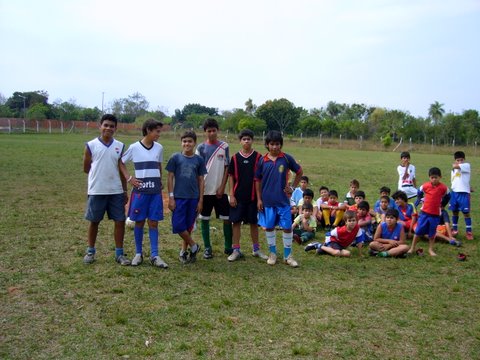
point(118, 252)
point(91, 250)
point(138, 235)
point(153, 234)
point(468, 223)
point(271, 241)
point(256, 247)
point(454, 222)
point(287, 244)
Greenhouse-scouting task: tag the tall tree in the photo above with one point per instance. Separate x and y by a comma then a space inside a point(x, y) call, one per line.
point(250, 107)
point(436, 111)
point(279, 114)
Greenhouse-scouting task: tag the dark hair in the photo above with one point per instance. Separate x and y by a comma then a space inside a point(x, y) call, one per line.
point(349, 214)
point(400, 195)
point(385, 189)
point(150, 124)
point(323, 188)
point(364, 205)
point(355, 182)
point(333, 193)
point(307, 206)
point(189, 134)
point(459, 155)
point(405, 154)
point(304, 178)
point(273, 136)
point(434, 171)
point(392, 212)
point(308, 192)
point(109, 117)
point(385, 197)
point(245, 132)
point(210, 123)
point(360, 193)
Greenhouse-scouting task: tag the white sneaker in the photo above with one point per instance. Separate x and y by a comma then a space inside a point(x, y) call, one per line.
point(260, 255)
point(158, 262)
point(137, 260)
point(291, 261)
point(236, 254)
point(272, 259)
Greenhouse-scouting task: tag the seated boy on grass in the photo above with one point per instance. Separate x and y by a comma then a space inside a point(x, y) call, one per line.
point(306, 199)
point(382, 209)
point(317, 210)
point(384, 191)
point(365, 220)
point(407, 212)
point(304, 225)
point(332, 211)
point(389, 238)
point(358, 198)
point(297, 194)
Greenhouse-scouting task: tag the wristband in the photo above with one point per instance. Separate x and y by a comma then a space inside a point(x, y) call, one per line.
point(170, 194)
point(130, 178)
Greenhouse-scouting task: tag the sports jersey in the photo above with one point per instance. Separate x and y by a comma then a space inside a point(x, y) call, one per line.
point(461, 178)
point(104, 176)
point(273, 175)
point(349, 199)
point(391, 234)
point(344, 237)
point(433, 197)
point(216, 157)
point(242, 170)
point(407, 212)
point(297, 195)
point(147, 162)
point(186, 170)
point(406, 181)
point(391, 204)
point(299, 222)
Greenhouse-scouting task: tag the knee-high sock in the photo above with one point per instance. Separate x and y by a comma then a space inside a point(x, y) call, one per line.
point(338, 217)
point(138, 235)
point(454, 222)
point(153, 234)
point(287, 244)
point(206, 233)
point(326, 216)
point(271, 241)
point(227, 233)
point(468, 224)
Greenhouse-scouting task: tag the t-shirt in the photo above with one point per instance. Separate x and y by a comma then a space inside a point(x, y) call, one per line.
point(299, 222)
point(216, 158)
point(147, 162)
point(391, 204)
point(242, 170)
point(433, 197)
point(349, 199)
point(104, 176)
point(461, 178)
point(273, 175)
point(344, 237)
point(407, 212)
point(297, 195)
point(391, 234)
point(186, 170)
point(405, 182)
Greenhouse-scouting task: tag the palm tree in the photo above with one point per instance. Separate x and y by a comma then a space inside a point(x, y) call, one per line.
point(436, 112)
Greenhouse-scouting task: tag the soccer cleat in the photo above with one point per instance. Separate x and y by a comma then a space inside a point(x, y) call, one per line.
point(272, 259)
point(89, 258)
point(260, 255)
point(291, 261)
point(235, 255)
point(207, 253)
point(297, 239)
point(456, 243)
point(158, 262)
point(420, 252)
point(137, 260)
point(461, 257)
point(312, 246)
point(193, 254)
point(183, 257)
point(469, 235)
point(122, 260)
point(454, 232)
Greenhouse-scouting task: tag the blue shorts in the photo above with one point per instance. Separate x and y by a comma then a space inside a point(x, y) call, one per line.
point(114, 205)
point(244, 212)
point(427, 225)
point(460, 201)
point(184, 215)
point(276, 215)
point(146, 206)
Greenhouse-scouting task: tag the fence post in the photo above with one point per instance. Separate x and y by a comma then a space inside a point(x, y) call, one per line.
point(321, 139)
point(340, 139)
point(431, 150)
point(23, 126)
point(86, 128)
point(38, 128)
point(49, 127)
point(301, 138)
point(61, 127)
point(9, 126)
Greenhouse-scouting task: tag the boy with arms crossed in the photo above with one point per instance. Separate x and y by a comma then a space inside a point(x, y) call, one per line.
point(460, 198)
point(107, 190)
point(146, 201)
point(406, 176)
point(243, 198)
point(273, 191)
point(389, 238)
point(185, 193)
point(216, 157)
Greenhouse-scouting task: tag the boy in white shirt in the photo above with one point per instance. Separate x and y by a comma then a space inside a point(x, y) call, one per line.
point(460, 195)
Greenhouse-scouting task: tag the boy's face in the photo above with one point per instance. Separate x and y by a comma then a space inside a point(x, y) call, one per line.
point(307, 213)
point(435, 179)
point(358, 199)
point(384, 193)
point(362, 212)
point(324, 194)
point(353, 189)
point(332, 198)
point(212, 134)
point(390, 220)
point(246, 142)
point(107, 129)
point(404, 160)
point(307, 199)
point(399, 202)
point(293, 210)
point(459, 160)
point(187, 145)
point(350, 223)
point(274, 148)
point(383, 204)
point(154, 134)
point(303, 184)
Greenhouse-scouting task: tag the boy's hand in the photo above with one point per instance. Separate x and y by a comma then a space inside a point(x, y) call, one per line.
point(200, 206)
point(288, 190)
point(233, 201)
point(260, 205)
point(135, 182)
point(171, 204)
point(220, 193)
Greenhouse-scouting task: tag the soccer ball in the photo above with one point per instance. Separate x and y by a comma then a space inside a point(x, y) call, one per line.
point(130, 223)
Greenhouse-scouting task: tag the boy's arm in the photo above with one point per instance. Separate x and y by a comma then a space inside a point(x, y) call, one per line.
point(401, 241)
point(171, 199)
point(160, 169)
point(201, 188)
point(233, 201)
point(298, 175)
point(258, 190)
point(221, 189)
point(87, 160)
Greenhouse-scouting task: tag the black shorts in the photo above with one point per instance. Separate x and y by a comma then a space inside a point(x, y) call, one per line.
point(244, 212)
point(211, 202)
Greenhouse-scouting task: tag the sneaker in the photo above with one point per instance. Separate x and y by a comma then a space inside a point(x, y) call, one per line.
point(137, 260)
point(291, 261)
point(272, 259)
point(207, 253)
point(158, 262)
point(420, 252)
point(469, 235)
point(454, 232)
point(297, 239)
point(183, 257)
point(89, 258)
point(122, 260)
point(260, 255)
point(235, 255)
point(461, 257)
point(193, 254)
point(312, 246)
point(372, 252)
point(456, 243)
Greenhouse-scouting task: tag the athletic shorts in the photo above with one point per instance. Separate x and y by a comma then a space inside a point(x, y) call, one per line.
point(184, 215)
point(97, 205)
point(427, 225)
point(211, 202)
point(334, 245)
point(146, 206)
point(276, 215)
point(410, 190)
point(244, 212)
point(460, 201)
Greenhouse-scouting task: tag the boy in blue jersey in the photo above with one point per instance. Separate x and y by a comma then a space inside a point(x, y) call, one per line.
point(185, 193)
point(146, 200)
point(107, 190)
point(389, 238)
point(460, 198)
point(273, 192)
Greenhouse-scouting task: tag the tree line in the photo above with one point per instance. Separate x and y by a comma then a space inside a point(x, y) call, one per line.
point(350, 121)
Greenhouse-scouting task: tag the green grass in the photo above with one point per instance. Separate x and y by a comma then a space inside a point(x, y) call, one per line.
point(54, 306)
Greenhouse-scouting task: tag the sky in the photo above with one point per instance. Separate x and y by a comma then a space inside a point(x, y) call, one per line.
point(401, 55)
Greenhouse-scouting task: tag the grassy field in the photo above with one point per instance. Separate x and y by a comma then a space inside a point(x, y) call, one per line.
point(54, 306)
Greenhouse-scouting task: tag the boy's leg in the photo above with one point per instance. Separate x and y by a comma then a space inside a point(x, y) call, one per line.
point(468, 226)
point(138, 236)
point(398, 250)
point(414, 244)
point(119, 234)
point(338, 217)
point(116, 211)
point(431, 242)
point(153, 235)
point(92, 234)
point(228, 234)
point(326, 216)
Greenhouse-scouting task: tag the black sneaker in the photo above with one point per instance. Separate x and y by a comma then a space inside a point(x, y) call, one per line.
point(193, 254)
point(312, 246)
point(372, 252)
point(207, 253)
point(183, 257)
